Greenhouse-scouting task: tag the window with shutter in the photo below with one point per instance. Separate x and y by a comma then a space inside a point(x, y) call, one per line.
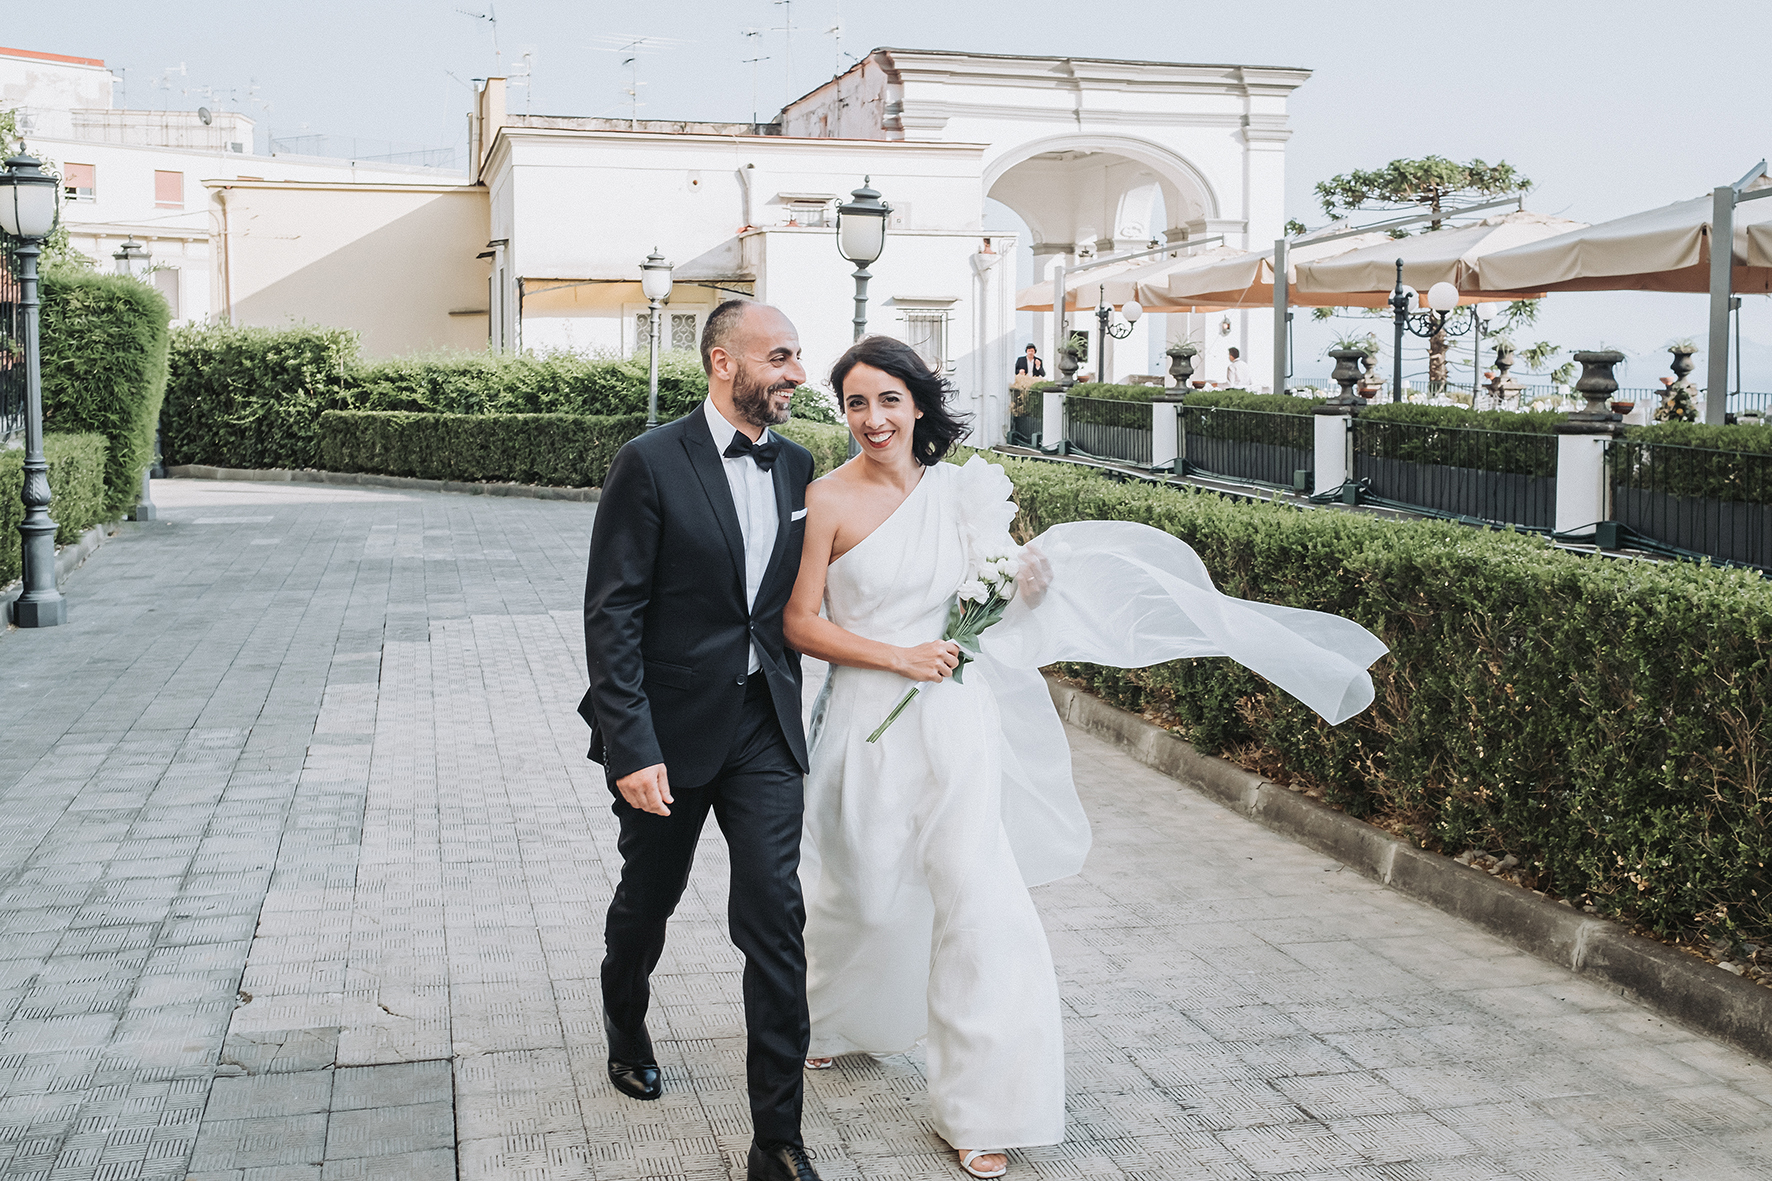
point(683, 334)
point(926, 332)
point(80, 182)
point(169, 190)
point(166, 280)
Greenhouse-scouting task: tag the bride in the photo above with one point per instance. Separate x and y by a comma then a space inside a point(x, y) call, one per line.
point(919, 848)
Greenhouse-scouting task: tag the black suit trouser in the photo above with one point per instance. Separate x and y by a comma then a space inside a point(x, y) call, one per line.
point(758, 800)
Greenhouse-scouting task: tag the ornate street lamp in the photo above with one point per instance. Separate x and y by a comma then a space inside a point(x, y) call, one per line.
point(28, 215)
point(1105, 328)
point(1442, 299)
point(655, 284)
point(130, 255)
point(861, 237)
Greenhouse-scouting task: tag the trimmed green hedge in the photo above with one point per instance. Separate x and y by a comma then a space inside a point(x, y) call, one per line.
point(77, 492)
point(567, 450)
point(1602, 720)
point(104, 369)
point(253, 397)
point(829, 444)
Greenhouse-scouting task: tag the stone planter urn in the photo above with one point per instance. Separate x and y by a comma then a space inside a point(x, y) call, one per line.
point(1370, 382)
point(1682, 363)
point(1345, 374)
point(1067, 368)
point(1597, 384)
point(1181, 363)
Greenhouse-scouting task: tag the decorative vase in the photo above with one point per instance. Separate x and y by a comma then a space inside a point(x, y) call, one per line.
point(1181, 363)
point(1370, 381)
point(1597, 384)
point(1682, 363)
point(1345, 374)
point(1198, 383)
point(1067, 367)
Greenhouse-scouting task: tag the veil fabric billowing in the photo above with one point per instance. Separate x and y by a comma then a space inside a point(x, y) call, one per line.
point(1127, 595)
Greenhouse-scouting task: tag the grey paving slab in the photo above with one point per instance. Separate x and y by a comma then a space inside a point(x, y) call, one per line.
point(303, 877)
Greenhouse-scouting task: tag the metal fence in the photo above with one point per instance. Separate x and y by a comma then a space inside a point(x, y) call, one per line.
point(1255, 445)
point(1693, 500)
point(1027, 409)
point(12, 344)
point(1109, 429)
point(1497, 477)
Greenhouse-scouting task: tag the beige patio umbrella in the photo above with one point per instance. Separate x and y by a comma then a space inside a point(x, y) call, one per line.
point(1666, 249)
point(1245, 278)
point(1118, 283)
point(1080, 291)
point(1442, 256)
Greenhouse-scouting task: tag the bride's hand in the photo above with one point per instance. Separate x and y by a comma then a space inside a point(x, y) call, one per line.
point(934, 661)
point(1033, 576)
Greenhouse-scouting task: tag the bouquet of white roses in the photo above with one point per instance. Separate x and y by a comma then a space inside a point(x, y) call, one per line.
point(978, 604)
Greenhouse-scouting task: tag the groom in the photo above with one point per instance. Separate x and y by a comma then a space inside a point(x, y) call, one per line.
point(694, 705)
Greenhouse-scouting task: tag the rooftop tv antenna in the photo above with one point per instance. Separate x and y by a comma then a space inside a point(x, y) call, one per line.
point(752, 62)
point(490, 16)
point(632, 49)
point(787, 52)
point(520, 76)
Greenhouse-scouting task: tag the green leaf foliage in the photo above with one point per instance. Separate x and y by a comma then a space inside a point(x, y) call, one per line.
point(565, 450)
point(104, 369)
point(1602, 720)
point(829, 444)
point(1429, 181)
point(811, 404)
point(76, 488)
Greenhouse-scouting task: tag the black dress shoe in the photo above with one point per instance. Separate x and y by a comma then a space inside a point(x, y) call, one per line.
point(637, 1080)
point(780, 1160)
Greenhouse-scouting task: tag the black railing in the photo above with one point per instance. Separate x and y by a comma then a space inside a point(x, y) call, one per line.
point(1253, 445)
point(1691, 500)
point(1107, 428)
point(1026, 411)
point(1497, 477)
point(12, 344)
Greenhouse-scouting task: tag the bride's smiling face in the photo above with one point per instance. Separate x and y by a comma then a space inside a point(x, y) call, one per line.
point(880, 412)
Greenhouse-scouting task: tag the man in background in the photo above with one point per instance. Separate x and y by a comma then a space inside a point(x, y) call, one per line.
point(1031, 363)
point(1236, 374)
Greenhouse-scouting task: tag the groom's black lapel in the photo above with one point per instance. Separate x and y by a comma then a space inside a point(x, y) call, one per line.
point(704, 457)
point(784, 507)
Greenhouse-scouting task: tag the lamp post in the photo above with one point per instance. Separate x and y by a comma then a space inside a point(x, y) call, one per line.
point(1481, 315)
point(1442, 298)
point(655, 284)
point(861, 237)
point(1105, 327)
point(28, 215)
point(129, 256)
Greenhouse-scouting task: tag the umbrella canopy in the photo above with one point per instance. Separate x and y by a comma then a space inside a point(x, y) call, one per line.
point(1080, 291)
point(1666, 249)
point(1442, 256)
point(1245, 278)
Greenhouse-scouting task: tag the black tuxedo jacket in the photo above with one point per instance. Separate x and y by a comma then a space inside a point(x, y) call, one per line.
point(667, 632)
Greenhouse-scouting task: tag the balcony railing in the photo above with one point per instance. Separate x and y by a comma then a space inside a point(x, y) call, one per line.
point(1254, 445)
point(1109, 429)
point(1496, 477)
point(1692, 500)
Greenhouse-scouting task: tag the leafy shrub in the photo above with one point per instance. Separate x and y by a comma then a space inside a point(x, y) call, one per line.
point(104, 369)
point(253, 397)
point(811, 404)
point(77, 489)
point(569, 450)
point(1602, 720)
point(829, 444)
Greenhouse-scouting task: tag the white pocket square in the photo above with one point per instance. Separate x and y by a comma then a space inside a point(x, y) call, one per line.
point(798, 515)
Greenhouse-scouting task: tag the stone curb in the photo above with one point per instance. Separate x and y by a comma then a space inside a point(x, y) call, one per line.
point(68, 559)
point(198, 471)
point(1696, 994)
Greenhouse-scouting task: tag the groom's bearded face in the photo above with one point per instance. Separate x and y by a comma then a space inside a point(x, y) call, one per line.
point(753, 395)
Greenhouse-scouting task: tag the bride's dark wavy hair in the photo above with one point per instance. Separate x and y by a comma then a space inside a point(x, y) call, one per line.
point(940, 428)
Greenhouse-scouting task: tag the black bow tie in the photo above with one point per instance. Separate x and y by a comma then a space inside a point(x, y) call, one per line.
point(763, 453)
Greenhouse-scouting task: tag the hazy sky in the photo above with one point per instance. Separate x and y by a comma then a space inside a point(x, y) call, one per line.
point(1610, 107)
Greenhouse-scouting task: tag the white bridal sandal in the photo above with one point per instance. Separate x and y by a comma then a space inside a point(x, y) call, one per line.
point(967, 1158)
point(820, 1063)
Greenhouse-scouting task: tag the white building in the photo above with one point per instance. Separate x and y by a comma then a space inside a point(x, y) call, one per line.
point(141, 174)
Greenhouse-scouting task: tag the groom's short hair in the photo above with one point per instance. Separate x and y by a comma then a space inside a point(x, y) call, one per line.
point(722, 324)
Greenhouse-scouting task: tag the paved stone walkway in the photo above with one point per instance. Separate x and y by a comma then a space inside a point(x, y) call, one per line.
point(302, 873)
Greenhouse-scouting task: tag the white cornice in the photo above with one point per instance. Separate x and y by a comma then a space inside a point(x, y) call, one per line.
point(568, 135)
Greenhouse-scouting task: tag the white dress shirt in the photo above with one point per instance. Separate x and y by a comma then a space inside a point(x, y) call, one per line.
point(1236, 374)
point(753, 498)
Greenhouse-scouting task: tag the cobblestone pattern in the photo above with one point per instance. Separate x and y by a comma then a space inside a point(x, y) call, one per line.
point(303, 873)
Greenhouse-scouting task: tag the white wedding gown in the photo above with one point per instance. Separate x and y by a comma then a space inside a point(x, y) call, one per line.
point(919, 849)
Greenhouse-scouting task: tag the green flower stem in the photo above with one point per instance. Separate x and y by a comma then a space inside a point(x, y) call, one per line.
point(893, 716)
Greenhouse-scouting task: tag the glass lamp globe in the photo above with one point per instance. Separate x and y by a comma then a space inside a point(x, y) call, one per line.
point(655, 276)
point(1132, 310)
point(1488, 311)
point(27, 198)
point(1442, 297)
point(861, 226)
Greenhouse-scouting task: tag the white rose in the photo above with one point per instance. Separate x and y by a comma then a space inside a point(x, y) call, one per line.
point(973, 591)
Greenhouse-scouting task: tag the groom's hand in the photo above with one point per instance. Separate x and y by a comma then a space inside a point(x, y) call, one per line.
point(647, 789)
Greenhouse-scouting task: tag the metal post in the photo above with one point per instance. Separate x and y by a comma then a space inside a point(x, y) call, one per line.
point(41, 603)
point(1400, 306)
point(652, 368)
point(1722, 255)
point(862, 275)
point(1282, 318)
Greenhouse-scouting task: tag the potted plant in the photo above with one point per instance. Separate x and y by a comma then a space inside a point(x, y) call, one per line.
point(1181, 362)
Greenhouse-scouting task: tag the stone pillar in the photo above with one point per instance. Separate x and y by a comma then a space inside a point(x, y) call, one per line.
point(1583, 492)
point(1335, 425)
point(1166, 433)
point(1052, 402)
